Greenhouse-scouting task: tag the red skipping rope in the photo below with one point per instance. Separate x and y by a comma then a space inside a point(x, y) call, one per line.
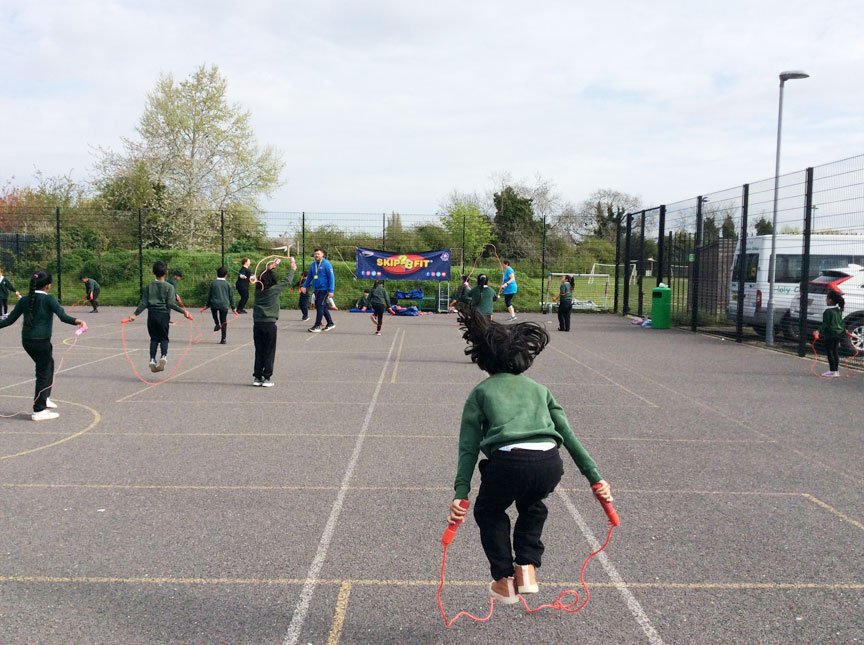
point(129, 358)
point(816, 361)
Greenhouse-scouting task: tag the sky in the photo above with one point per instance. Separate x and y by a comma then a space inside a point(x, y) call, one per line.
point(382, 106)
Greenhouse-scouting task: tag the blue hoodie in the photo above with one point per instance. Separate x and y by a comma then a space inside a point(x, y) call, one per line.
point(322, 275)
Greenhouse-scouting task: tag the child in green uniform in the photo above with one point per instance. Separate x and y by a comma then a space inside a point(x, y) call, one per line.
point(158, 298)
point(93, 290)
point(176, 277)
point(220, 298)
point(462, 297)
point(363, 303)
point(5, 288)
point(519, 426)
point(265, 313)
point(380, 301)
point(832, 330)
point(39, 309)
point(482, 296)
point(566, 304)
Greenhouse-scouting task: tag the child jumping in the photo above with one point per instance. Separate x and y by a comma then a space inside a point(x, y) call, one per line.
point(220, 298)
point(5, 287)
point(158, 298)
point(93, 290)
point(265, 313)
point(380, 301)
point(39, 309)
point(832, 330)
point(519, 427)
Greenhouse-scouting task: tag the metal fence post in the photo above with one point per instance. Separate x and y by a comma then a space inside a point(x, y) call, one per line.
point(661, 244)
point(464, 214)
point(625, 307)
point(543, 260)
point(383, 231)
point(697, 240)
point(59, 265)
point(617, 258)
point(742, 264)
point(17, 248)
point(303, 238)
point(140, 253)
point(805, 265)
point(641, 272)
point(222, 223)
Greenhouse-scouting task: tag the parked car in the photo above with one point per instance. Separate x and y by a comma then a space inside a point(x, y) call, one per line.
point(848, 281)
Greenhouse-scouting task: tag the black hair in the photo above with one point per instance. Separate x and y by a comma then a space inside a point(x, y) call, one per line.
point(837, 298)
point(265, 280)
point(571, 280)
point(37, 281)
point(497, 348)
point(482, 280)
point(160, 268)
point(379, 283)
point(83, 277)
point(318, 248)
point(365, 290)
point(466, 278)
point(506, 262)
point(221, 272)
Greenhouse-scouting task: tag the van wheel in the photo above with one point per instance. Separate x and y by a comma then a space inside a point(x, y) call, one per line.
point(759, 329)
point(855, 327)
point(789, 327)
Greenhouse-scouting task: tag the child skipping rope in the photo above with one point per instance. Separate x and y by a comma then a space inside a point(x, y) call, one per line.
point(831, 331)
point(519, 427)
point(39, 308)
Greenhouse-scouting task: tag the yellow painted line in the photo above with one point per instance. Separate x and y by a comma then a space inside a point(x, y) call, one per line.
point(96, 419)
point(339, 613)
point(398, 356)
point(428, 583)
point(191, 369)
point(603, 376)
point(833, 510)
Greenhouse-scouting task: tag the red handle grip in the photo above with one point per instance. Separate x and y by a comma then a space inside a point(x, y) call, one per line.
point(611, 513)
point(125, 320)
point(450, 531)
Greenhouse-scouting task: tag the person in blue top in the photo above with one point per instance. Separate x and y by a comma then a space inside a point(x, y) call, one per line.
point(323, 282)
point(508, 287)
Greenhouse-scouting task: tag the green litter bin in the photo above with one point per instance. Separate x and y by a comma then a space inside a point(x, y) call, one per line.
point(661, 308)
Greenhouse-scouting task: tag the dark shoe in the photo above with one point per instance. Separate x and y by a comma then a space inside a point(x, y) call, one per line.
point(216, 328)
point(222, 342)
point(304, 318)
point(242, 311)
point(315, 329)
point(329, 327)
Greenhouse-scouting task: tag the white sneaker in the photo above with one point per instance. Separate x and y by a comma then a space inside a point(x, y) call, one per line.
point(44, 415)
point(267, 383)
point(512, 318)
point(162, 362)
point(50, 404)
point(257, 382)
point(154, 366)
point(829, 374)
point(835, 374)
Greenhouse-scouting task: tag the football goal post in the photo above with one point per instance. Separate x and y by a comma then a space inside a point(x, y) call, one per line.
point(590, 291)
point(603, 269)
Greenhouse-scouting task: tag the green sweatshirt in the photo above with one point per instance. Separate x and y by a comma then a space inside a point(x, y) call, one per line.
point(266, 307)
point(482, 298)
point(512, 408)
point(363, 302)
point(221, 295)
point(92, 286)
point(462, 294)
point(832, 323)
point(158, 296)
point(566, 292)
point(379, 297)
point(6, 287)
point(43, 316)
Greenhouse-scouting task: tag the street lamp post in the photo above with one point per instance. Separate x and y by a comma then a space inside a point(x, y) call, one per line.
point(772, 267)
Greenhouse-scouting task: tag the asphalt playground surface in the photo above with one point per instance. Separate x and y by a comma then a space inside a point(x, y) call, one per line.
point(204, 510)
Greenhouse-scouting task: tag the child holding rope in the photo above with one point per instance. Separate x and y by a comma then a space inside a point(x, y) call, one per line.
point(93, 289)
point(831, 331)
point(462, 297)
point(265, 313)
point(483, 296)
point(380, 301)
point(39, 309)
point(565, 307)
point(519, 426)
point(158, 298)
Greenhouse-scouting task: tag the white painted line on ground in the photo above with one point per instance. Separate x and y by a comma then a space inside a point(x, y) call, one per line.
point(302, 607)
point(68, 369)
point(632, 604)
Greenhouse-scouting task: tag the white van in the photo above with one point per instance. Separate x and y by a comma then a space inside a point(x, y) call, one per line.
point(826, 252)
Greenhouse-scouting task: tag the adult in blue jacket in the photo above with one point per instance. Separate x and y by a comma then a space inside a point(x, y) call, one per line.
point(323, 282)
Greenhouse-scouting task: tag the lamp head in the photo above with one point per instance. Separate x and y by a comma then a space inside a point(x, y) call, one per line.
point(792, 75)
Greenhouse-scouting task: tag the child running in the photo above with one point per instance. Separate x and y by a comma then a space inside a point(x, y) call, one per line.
point(220, 298)
point(158, 298)
point(93, 290)
point(39, 309)
point(831, 331)
point(519, 426)
point(5, 287)
point(565, 307)
point(482, 296)
point(265, 313)
point(380, 301)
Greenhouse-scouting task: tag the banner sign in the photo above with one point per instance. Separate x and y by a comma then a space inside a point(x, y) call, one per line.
point(386, 265)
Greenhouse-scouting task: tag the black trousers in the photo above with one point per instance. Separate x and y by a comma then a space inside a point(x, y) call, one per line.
point(41, 352)
point(220, 318)
point(4, 306)
point(303, 303)
point(321, 308)
point(832, 351)
point(158, 324)
point(244, 297)
point(564, 310)
point(525, 477)
point(264, 335)
point(379, 314)
point(94, 300)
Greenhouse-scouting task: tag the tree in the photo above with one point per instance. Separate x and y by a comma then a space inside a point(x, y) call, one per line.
point(516, 230)
point(763, 227)
point(197, 155)
point(598, 215)
point(728, 228)
point(463, 213)
point(710, 232)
